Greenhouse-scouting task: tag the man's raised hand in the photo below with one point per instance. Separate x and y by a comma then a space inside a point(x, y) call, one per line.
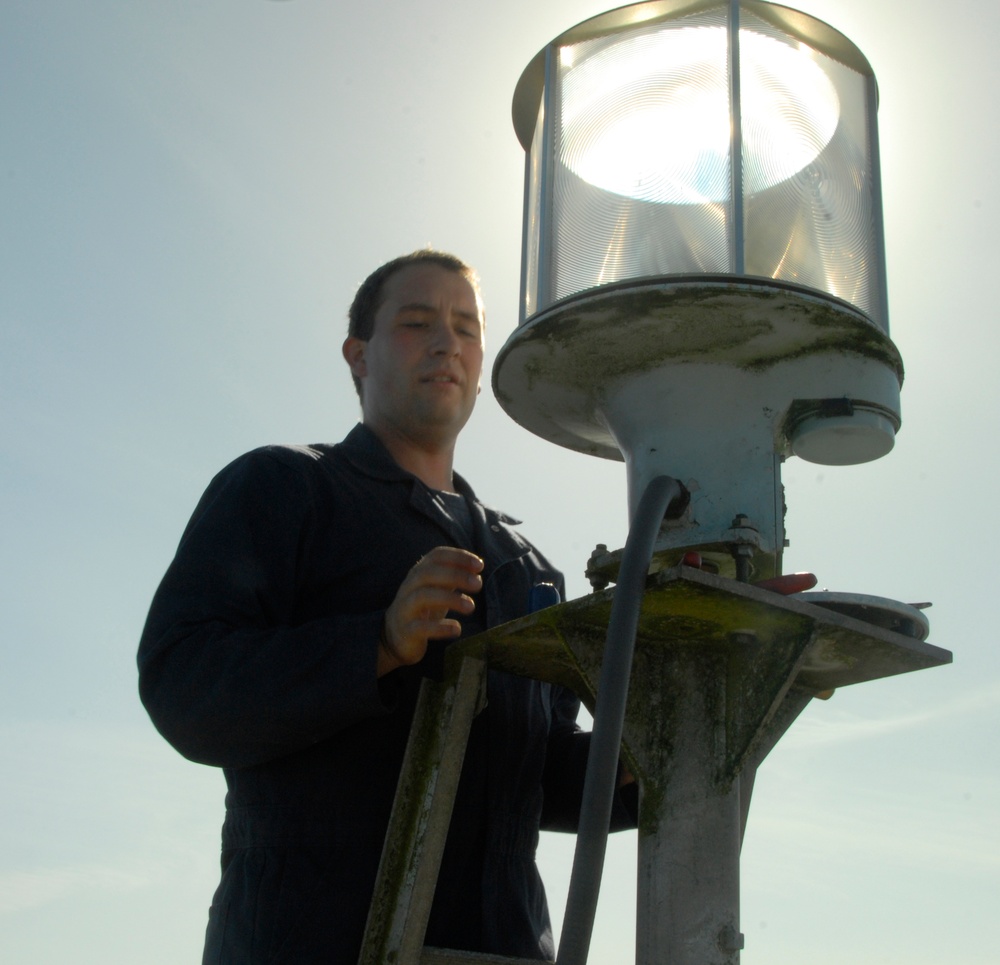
point(438, 584)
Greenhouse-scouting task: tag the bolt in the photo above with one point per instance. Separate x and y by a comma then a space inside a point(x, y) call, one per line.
point(598, 581)
point(742, 555)
point(741, 551)
point(731, 940)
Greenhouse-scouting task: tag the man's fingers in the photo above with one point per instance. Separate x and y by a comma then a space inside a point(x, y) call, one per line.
point(454, 556)
point(445, 568)
point(788, 583)
point(438, 584)
point(451, 558)
point(444, 628)
point(435, 603)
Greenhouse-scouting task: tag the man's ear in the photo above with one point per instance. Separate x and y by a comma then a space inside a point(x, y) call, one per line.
point(353, 350)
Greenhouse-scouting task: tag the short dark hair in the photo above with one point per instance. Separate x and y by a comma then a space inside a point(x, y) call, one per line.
point(370, 295)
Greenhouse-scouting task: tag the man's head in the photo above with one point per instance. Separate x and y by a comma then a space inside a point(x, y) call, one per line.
point(418, 353)
point(371, 293)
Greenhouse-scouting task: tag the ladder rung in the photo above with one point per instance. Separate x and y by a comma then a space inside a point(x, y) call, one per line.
point(449, 956)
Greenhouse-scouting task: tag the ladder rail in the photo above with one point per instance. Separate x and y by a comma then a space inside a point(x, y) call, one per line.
point(421, 814)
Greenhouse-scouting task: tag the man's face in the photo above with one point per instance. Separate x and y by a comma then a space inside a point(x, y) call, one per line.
point(421, 368)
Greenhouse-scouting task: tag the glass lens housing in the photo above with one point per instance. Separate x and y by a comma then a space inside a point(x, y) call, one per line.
point(634, 171)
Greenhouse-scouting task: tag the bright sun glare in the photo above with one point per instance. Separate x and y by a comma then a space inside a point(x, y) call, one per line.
point(671, 143)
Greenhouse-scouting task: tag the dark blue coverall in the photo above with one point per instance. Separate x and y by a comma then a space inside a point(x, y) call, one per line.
point(258, 656)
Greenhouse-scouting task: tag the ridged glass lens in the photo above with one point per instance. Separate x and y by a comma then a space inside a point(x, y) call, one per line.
point(634, 177)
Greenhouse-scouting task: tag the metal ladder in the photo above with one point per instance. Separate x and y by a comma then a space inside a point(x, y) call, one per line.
point(421, 814)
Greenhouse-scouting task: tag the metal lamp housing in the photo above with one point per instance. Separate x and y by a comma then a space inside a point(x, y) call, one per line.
point(703, 272)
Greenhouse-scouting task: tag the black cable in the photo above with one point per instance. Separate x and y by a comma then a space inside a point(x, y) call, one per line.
point(609, 718)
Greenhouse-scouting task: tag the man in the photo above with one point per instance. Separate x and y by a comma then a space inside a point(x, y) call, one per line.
point(312, 590)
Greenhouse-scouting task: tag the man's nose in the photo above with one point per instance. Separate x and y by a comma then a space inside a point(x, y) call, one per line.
point(445, 341)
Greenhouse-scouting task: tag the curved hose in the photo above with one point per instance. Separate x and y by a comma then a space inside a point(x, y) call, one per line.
point(609, 718)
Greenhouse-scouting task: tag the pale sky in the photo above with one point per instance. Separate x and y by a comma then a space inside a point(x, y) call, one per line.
point(191, 192)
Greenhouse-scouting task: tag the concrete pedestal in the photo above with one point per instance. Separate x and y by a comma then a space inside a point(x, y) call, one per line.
point(721, 670)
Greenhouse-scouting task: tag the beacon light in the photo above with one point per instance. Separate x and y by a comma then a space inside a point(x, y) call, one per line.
point(703, 281)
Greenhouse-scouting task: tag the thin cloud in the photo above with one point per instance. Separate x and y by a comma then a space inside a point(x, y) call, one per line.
point(21, 890)
point(840, 727)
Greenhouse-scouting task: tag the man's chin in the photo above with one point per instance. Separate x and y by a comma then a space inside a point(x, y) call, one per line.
point(443, 418)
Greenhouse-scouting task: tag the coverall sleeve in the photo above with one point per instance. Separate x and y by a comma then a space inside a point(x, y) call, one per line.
point(566, 770)
point(226, 672)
